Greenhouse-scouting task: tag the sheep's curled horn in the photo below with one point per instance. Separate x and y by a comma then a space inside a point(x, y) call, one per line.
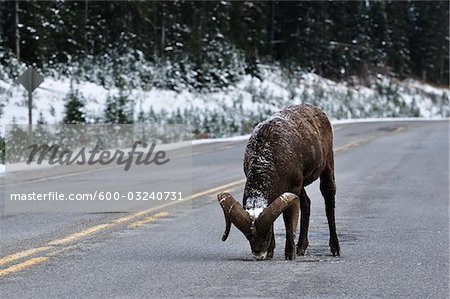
point(236, 214)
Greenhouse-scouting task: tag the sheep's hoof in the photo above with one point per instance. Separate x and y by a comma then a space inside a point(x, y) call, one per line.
point(301, 251)
point(334, 246)
point(289, 256)
point(335, 252)
point(301, 248)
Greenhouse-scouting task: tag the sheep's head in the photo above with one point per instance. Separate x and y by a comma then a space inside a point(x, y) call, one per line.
point(258, 231)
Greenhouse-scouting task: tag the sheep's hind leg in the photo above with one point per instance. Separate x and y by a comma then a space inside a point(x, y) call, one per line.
point(305, 206)
point(328, 190)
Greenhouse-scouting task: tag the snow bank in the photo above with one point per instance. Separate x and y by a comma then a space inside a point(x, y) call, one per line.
point(224, 139)
point(248, 102)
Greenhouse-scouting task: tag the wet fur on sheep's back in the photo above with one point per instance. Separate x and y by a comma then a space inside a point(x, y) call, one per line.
point(287, 152)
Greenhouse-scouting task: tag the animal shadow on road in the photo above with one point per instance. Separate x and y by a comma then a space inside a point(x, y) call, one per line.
point(318, 249)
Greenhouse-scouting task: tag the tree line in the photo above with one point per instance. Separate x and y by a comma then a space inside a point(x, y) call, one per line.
point(335, 39)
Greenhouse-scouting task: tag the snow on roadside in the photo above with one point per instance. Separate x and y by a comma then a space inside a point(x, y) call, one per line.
point(249, 96)
point(385, 119)
point(218, 140)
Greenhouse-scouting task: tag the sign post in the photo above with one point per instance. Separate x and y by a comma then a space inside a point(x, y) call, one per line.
point(30, 79)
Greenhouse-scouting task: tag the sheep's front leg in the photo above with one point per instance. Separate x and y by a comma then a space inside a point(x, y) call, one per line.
point(290, 217)
point(305, 206)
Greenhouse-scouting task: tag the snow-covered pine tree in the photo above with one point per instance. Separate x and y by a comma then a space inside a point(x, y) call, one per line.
point(74, 107)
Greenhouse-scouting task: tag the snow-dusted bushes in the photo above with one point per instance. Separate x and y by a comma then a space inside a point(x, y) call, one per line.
point(224, 111)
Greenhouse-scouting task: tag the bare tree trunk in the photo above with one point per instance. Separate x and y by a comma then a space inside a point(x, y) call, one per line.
point(17, 30)
point(1, 16)
point(441, 67)
point(163, 31)
point(272, 28)
point(86, 20)
point(155, 30)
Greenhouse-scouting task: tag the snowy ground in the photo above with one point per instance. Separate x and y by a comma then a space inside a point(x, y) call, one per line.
point(249, 101)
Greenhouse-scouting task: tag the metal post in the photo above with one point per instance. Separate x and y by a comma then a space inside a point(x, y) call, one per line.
point(30, 112)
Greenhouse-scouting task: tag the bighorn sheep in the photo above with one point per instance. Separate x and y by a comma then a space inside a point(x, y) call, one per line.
point(284, 154)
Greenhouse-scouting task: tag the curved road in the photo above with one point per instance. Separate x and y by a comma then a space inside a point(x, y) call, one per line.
point(392, 215)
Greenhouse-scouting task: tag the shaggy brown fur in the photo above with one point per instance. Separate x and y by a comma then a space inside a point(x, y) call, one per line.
point(284, 154)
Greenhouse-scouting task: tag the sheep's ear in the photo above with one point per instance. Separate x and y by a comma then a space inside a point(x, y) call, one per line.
point(271, 213)
point(234, 213)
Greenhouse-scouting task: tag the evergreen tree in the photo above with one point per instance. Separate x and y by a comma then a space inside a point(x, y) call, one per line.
point(119, 109)
point(2, 150)
point(74, 107)
point(209, 44)
point(429, 40)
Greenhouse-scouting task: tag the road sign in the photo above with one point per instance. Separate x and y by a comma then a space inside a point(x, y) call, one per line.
point(31, 79)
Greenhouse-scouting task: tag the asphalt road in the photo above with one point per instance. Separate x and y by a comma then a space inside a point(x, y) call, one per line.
point(392, 215)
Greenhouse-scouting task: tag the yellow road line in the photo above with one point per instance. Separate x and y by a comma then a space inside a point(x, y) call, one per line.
point(360, 141)
point(347, 146)
point(193, 196)
point(101, 227)
point(129, 217)
point(148, 219)
point(80, 235)
point(22, 254)
point(171, 203)
point(95, 229)
point(24, 265)
point(220, 188)
point(214, 195)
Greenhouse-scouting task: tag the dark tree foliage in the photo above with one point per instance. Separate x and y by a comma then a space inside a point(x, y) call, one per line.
point(119, 108)
point(74, 107)
point(2, 150)
point(336, 39)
